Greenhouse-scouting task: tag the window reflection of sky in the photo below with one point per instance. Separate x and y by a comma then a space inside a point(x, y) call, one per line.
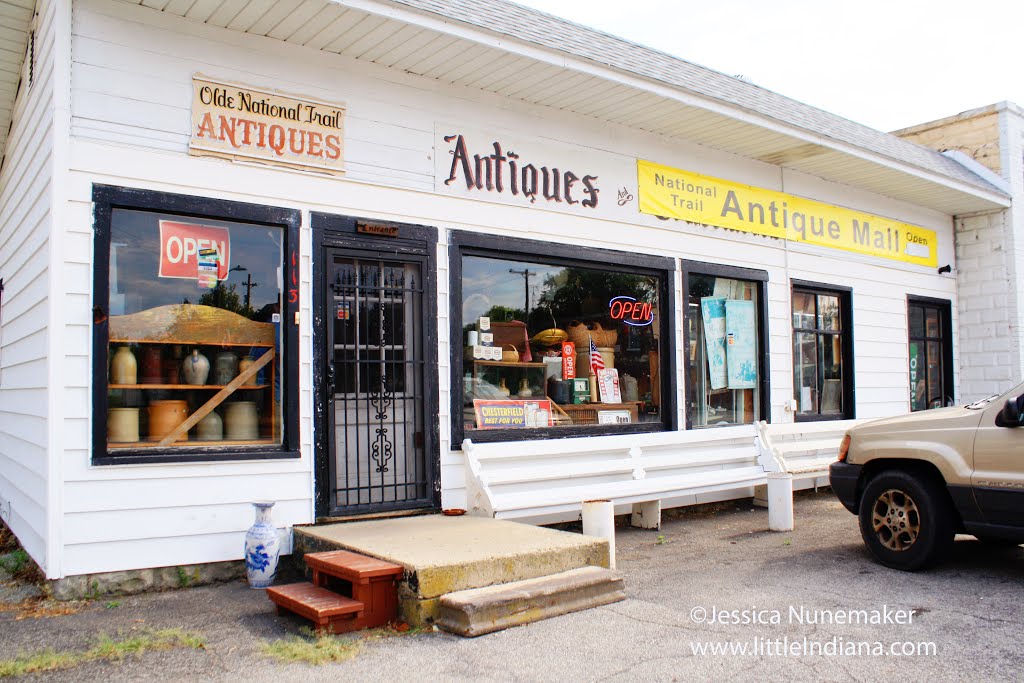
point(488, 283)
point(135, 263)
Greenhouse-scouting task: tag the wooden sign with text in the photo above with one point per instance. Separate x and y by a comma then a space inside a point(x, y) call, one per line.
point(232, 121)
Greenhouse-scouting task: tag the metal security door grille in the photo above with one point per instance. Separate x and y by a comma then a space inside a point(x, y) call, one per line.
point(376, 377)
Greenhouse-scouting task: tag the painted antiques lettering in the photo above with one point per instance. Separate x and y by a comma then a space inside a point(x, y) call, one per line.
point(239, 122)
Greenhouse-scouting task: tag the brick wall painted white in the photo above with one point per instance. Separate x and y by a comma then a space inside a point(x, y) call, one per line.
point(989, 357)
point(1011, 129)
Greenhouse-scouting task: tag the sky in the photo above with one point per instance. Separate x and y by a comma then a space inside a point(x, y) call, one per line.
point(887, 65)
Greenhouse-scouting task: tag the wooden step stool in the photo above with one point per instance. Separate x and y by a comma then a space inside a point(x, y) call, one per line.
point(366, 598)
point(326, 609)
point(371, 581)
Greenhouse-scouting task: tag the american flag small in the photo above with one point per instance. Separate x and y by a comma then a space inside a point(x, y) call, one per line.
point(596, 361)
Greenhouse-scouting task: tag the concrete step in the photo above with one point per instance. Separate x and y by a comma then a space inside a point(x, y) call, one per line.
point(442, 555)
point(477, 611)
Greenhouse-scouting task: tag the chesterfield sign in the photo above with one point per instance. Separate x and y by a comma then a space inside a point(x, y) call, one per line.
point(239, 122)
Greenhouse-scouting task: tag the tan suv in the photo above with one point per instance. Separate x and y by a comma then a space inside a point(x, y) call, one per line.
point(916, 480)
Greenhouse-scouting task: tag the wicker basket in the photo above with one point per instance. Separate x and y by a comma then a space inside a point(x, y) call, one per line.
point(580, 335)
point(509, 354)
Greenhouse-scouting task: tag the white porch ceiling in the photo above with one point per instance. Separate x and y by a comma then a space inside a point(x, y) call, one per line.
point(499, 47)
point(15, 22)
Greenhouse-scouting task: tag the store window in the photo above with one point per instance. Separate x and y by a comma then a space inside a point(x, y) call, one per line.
point(726, 375)
point(931, 353)
point(194, 347)
point(822, 353)
point(573, 339)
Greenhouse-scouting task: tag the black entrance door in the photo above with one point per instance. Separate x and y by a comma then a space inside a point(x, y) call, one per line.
point(378, 436)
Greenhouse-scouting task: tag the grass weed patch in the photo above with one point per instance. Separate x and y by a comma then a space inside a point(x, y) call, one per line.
point(107, 648)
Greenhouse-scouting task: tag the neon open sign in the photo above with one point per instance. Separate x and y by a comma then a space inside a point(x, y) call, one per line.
point(630, 311)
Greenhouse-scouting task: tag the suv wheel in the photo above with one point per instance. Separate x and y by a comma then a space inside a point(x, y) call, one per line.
point(905, 520)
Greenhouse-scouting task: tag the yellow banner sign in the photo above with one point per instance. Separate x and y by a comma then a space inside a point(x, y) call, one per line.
point(673, 193)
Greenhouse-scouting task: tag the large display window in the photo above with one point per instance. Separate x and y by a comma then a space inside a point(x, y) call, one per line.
point(725, 347)
point(193, 331)
point(551, 340)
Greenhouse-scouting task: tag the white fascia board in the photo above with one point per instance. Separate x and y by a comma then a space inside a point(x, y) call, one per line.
point(579, 64)
point(980, 170)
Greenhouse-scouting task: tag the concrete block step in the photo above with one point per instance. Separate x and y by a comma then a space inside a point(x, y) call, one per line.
point(477, 611)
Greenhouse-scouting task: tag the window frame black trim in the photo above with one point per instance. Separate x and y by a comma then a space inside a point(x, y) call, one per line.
point(688, 268)
point(846, 319)
point(105, 199)
point(947, 341)
point(498, 246)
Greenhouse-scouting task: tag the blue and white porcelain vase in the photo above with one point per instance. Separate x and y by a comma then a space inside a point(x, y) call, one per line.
point(262, 548)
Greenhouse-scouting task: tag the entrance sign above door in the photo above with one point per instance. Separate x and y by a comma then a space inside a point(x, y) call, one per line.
point(233, 121)
point(675, 193)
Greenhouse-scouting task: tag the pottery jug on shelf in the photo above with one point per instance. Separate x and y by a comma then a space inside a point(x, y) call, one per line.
point(164, 416)
point(123, 425)
point(225, 367)
point(240, 421)
point(503, 388)
point(172, 366)
point(123, 367)
point(244, 365)
point(210, 428)
point(524, 389)
point(195, 368)
point(150, 364)
point(262, 547)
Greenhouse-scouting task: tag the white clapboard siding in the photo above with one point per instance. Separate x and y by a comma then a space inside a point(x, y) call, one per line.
point(91, 558)
point(26, 200)
point(106, 526)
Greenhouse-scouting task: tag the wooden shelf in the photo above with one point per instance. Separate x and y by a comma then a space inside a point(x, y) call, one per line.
point(184, 386)
point(190, 324)
point(586, 413)
point(204, 326)
point(218, 344)
point(505, 364)
point(192, 442)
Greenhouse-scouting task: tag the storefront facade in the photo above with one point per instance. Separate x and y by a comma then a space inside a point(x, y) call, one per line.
point(302, 258)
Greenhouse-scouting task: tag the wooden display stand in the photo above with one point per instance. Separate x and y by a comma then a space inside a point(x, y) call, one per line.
point(586, 413)
point(196, 325)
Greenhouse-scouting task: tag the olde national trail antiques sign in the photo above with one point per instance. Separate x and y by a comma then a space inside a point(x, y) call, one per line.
point(239, 122)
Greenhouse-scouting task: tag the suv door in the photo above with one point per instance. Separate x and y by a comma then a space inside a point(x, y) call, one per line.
point(998, 478)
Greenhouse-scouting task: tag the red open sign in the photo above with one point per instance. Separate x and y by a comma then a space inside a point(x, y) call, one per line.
point(630, 311)
point(180, 244)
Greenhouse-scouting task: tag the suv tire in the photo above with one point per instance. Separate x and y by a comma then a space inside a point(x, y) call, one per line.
point(905, 519)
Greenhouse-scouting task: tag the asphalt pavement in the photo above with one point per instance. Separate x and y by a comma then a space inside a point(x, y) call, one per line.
point(809, 605)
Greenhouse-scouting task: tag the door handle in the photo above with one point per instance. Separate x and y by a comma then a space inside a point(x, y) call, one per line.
point(330, 381)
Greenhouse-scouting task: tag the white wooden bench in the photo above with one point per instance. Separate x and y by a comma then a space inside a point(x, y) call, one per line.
point(549, 480)
point(795, 452)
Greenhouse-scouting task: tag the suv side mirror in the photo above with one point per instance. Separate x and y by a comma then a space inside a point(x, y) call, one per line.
point(1011, 413)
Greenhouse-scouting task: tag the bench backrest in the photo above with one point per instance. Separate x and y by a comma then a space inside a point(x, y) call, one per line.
point(497, 469)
